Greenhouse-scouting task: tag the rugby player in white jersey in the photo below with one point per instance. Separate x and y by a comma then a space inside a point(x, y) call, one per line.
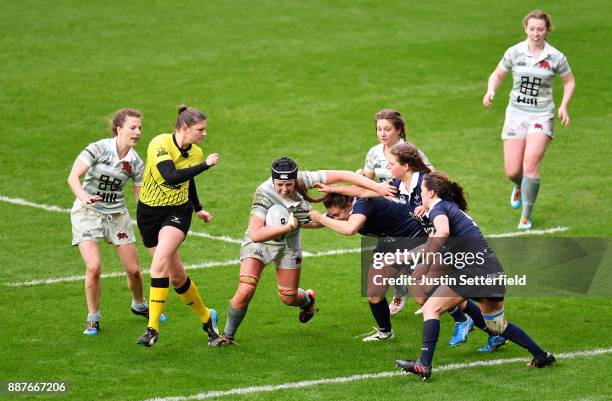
point(528, 128)
point(281, 244)
point(390, 130)
point(99, 210)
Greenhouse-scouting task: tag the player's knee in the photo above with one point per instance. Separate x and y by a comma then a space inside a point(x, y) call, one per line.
point(287, 295)
point(496, 322)
point(513, 173)
point(93, 269)
point(133, 274)
point(531, 166)
point(375, 299)
point(246, 289)
point(420, 300)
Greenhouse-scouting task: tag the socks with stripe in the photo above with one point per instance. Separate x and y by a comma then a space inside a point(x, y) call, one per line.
point(158, 295)
point(191, 297)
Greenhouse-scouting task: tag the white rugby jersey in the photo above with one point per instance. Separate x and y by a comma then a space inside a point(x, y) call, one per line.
point(377, 162)
point(108, 173)
point(533, 76)
point(265, 196)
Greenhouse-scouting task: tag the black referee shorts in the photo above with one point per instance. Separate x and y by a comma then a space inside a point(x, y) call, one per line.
point(151, 219)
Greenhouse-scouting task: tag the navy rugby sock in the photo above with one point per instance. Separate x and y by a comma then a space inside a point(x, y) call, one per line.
point(518, 336)
point(431, 331)
point(473, 311)
point(382, 315)
point(458, 315)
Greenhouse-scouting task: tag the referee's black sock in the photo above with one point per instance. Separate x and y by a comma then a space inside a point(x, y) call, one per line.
point(431, 331)
point(380, 311)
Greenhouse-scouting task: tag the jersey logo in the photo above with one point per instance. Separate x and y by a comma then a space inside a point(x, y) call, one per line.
point(127, 167)
point(162, 152)
point(544, 64)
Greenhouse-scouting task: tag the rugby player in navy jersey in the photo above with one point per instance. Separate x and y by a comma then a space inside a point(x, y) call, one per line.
point(378, 217)
point(455, 232)
point(407, 169)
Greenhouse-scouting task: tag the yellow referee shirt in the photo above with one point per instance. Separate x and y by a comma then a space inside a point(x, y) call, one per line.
point(155, 191)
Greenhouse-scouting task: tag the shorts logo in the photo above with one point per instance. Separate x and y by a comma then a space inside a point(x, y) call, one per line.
point(538, 126)
point(175, 219)
point(127, 167)
point(298, 260)
point(86, 234)
point(122, 236)
point(162, 152)
point(258, 252)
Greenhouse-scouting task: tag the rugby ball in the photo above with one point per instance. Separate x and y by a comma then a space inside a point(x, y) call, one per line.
point(277, 215)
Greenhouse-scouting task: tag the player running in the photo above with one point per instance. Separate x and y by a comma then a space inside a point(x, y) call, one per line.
point(454, 233)
point(528, 127)
point(99, 210)
point(167, 201)
point(281, 244)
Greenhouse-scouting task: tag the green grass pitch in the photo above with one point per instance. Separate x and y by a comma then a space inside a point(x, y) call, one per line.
point(301, 79)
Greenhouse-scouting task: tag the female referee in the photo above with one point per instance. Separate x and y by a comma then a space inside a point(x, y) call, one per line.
point(528, 127)
point(167, 201)
point(390, 130)
point(99, 210)
point(281, 244)
point(456, 233)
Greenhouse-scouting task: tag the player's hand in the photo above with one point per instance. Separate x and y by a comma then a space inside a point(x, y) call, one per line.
point(563, 116)
point(87, 199)
point(315, 216)
point(292, 222)
point(386, 189)
point(420, 211)
point(323, 187)
point(488, 99)
point(212, 159)
point(204, 216)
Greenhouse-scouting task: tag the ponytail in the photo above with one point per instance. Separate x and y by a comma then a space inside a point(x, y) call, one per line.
point(446, 189)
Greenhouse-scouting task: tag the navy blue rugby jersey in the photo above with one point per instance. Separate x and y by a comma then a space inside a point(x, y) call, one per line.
point(411, 197)
point(385, 218)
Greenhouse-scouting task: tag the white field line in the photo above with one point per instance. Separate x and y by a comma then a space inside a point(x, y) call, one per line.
point(51, 208)
point(369, 376)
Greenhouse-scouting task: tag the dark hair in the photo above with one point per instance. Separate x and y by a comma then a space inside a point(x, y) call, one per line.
point(119, 119)
point(395, 118)
point(446, 189)
point(407, 153)
point(188, 116)
point(336, 200)
point(538, 14)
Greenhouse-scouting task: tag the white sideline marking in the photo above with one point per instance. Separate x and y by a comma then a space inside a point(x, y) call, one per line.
point(23, 202)
point(529, 232)
point(51, 208)
point(353, 378)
